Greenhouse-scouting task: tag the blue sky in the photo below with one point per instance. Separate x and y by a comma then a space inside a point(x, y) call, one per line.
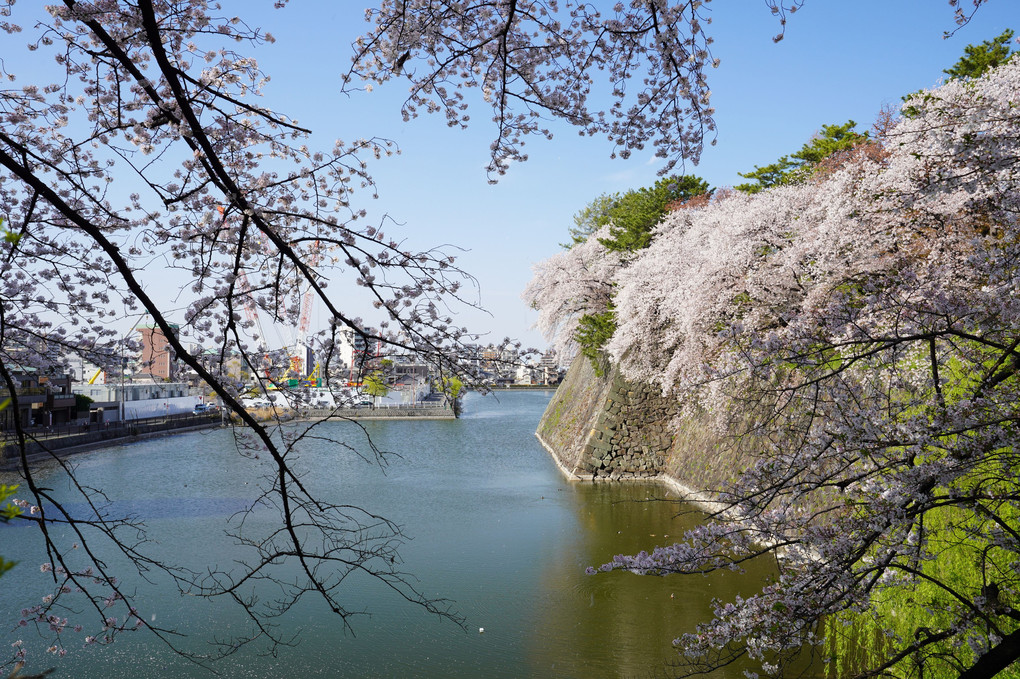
point(839, 60)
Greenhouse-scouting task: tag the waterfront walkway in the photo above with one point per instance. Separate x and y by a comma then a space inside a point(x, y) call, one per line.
point(44, 443)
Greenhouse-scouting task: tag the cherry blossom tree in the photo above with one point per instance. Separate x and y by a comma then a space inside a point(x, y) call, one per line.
point(145, 160)
point(573, 291)
point(857, 337)
point(533, 59)
point(148, 148)
point(571, 285)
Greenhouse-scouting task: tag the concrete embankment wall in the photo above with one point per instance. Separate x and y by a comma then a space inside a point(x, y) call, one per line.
point(608, 428)
point(99, 437)
point(392, 412)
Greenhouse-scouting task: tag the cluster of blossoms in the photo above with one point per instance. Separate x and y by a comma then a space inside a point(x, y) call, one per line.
point(857, 336)
point(25, 506)
point(532, 59)
point(49, 616)
point(571, 284)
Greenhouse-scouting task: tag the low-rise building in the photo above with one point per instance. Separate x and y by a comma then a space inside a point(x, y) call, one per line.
point(43, 400)
point(138, 399)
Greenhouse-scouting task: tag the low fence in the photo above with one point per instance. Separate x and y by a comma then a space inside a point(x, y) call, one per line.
point(39, 439)
point(425, 405)
point(430, 410)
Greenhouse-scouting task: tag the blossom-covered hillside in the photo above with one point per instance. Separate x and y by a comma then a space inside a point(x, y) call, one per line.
point(864, 326)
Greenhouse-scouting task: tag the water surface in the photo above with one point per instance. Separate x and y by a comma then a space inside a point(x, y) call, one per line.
point(492, 525)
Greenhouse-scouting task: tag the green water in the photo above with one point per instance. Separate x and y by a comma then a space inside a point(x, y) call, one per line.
point(493, 526)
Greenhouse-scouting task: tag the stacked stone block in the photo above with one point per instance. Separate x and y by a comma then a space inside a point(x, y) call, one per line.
point(631, 437)
point(603, 427)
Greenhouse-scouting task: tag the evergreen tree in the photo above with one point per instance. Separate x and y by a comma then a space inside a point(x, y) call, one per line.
point(975, 62)
point(799, 166)
point(636, 213)
point(591, 218)
point(977, 59)
point(631, 219)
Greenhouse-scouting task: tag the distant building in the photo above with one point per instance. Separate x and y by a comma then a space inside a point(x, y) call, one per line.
point(302, 361)
point(412, 378)
point(489, 359)
point(524, 374)
point(137, 399)
point(358, 355)
point(227, 365)
point(44, 400)
point(500, 365)
point(548, 370)
point(158, 360)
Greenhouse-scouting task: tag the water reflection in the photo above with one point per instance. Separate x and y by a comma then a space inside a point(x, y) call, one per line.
point(620, 624)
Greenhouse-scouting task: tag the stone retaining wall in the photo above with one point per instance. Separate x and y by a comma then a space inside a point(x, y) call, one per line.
point(572, 415)
point(606, 427)
point(631, 436)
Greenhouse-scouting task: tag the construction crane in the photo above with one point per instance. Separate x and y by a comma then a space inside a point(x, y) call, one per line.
point(299, 363)
point(313, 379)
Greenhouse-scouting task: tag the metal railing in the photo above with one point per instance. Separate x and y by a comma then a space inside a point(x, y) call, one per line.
point(85, 432)
point(408, 406)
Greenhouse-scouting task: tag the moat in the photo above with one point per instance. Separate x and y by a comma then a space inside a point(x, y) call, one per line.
point(493, 526)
